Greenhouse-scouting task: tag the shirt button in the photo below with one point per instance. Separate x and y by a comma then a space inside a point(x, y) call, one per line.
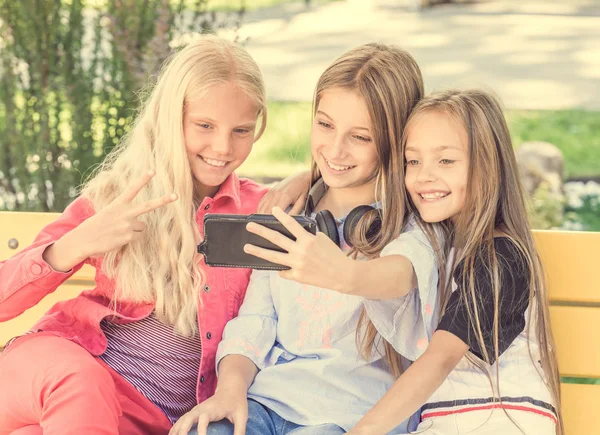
point(208, 335)
point(206, 288)
point(36, 269)
point(207, 206)
point(202, 379)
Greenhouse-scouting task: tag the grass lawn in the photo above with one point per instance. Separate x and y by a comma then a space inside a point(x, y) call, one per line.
point(285, 146)
point(575, 132)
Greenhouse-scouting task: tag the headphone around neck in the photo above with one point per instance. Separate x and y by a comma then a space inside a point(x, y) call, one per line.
point(326, 222)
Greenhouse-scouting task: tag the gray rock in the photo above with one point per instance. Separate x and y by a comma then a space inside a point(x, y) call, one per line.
point(540, 162)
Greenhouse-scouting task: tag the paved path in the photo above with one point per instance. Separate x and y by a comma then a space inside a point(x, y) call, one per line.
point(533, 54)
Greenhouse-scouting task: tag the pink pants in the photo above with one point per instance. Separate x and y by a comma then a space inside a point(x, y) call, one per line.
point(52, 386)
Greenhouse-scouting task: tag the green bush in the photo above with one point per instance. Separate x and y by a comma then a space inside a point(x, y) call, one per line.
point(65, 104)
point(546, 208)
point(582, 206)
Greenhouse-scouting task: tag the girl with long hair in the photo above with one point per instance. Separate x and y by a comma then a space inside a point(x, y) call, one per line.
point(135, 353)
point(317, 345)
point(490, 367)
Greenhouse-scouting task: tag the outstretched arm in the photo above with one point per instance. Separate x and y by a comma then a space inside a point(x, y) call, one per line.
point(316, 260)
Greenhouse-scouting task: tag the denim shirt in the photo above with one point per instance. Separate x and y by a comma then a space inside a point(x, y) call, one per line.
point(303, 340)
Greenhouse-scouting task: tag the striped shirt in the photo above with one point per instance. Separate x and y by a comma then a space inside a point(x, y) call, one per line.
point(159, 363)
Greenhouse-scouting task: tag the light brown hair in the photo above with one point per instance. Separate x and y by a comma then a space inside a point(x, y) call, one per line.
point(390, 83)
point(495, 202)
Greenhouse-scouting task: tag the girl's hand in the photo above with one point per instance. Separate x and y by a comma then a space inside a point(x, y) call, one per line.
point(289, 192)
point(233, 407)
point(113, 227)
point(313, 259)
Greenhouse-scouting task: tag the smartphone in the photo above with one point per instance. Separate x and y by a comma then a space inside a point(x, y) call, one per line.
point(225, 236)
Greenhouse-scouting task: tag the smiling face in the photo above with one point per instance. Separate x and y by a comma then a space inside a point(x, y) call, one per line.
point(437, 165)
point(342, 140)
point(219, 133)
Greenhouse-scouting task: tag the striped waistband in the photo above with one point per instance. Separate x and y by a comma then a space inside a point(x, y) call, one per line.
point(9, 342)
point(527, 404)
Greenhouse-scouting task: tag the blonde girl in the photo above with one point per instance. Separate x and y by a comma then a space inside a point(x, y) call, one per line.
point(135, 353)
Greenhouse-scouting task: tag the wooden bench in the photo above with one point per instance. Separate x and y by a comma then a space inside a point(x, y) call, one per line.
point(17, 231)
point(571, 263)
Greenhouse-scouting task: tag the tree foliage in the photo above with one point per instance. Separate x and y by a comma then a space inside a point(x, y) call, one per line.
point(70, 76)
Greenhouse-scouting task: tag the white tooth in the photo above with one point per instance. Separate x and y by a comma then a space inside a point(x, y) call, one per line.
point(212, 162)
point(337, 168)
point(433, 195)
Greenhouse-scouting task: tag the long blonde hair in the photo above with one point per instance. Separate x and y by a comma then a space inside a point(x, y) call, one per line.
point(162, 266)
point(390, 82)
point(495, 201)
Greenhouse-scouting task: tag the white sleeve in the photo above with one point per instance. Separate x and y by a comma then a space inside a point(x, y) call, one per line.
point(252, 333)
point(408, 322)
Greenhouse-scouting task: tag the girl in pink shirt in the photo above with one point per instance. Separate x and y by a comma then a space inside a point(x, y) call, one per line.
point(137, 351)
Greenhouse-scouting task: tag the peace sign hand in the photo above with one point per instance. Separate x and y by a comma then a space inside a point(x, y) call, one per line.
point(117, 224)
point(111, 228)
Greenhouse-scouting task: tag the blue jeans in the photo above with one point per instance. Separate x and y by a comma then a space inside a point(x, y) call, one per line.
point(263, 421)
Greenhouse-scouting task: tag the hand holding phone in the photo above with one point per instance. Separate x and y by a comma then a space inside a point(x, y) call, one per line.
point(225, 236)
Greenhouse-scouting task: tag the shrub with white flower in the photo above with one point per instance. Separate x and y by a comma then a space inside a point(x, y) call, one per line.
point(582, 206)
point(577, 210)
point(546, 208)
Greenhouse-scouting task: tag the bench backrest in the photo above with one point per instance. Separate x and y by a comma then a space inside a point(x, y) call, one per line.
point(572, 267)
point(20, 229)
point(573, 274)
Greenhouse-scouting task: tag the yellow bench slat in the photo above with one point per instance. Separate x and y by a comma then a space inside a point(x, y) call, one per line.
point(25, 321)
point(571, 264)
point(580, 404)
point(24, 226)
point(577, 334)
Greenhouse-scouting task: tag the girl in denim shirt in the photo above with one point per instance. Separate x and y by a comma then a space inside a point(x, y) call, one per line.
point(316, 346)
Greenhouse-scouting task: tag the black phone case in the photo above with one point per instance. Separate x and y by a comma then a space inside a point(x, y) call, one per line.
point(225, 236)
